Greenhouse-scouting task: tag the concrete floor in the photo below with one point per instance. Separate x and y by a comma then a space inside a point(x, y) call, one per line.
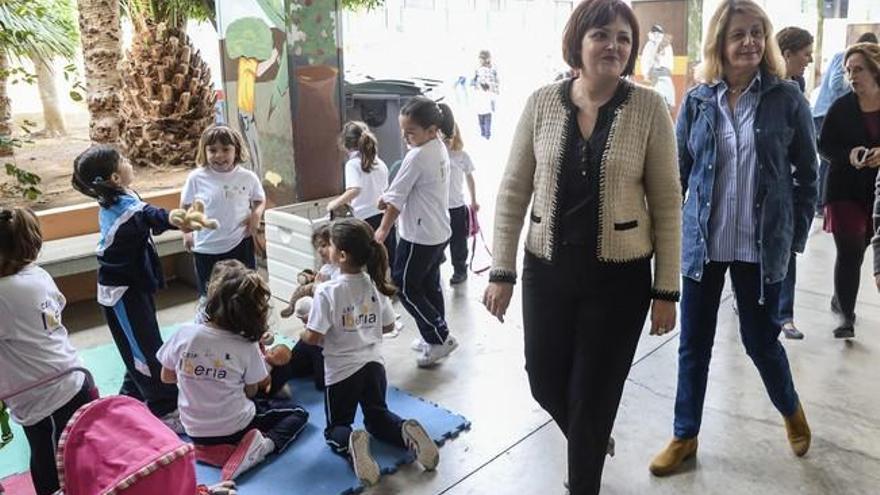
point(513, 448)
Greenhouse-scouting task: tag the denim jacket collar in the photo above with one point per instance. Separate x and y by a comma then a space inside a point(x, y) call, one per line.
point(706, 92)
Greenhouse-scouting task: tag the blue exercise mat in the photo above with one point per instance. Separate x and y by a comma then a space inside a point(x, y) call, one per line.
point(309, 466)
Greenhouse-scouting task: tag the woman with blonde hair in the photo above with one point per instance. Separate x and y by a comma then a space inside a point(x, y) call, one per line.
point(747, 157)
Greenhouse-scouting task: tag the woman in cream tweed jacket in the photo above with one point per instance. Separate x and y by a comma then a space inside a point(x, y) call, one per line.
point(596, 158)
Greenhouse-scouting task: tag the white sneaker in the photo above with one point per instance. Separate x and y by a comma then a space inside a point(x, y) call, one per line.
point(418, 344)
point(252, 450)
point(398, 326)
point(418, 440)
point(431, 353)
point(172, 421)
point(365, 467)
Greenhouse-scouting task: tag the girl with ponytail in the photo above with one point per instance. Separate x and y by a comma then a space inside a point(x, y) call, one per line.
point(419, 197)
point(349, 314)
point(366, 178)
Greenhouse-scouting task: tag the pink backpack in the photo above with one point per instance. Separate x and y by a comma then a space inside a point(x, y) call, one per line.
point(116, 446)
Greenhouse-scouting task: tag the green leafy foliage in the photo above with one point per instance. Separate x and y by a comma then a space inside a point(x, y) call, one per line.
point(25, 183)
point(43, 28)
point(362, 4)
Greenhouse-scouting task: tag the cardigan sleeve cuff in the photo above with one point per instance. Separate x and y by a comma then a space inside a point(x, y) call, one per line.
point(502, 275)
point(665, 295)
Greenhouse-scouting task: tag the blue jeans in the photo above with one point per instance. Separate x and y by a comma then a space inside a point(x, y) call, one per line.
point(758, 329)
point(786, 293)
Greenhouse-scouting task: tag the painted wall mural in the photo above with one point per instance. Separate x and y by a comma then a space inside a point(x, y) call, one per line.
point(281, 74)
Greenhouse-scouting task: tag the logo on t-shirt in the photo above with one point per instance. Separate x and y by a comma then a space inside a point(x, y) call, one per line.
point(216, 369)
point(50, 313)
point(231, 191)
point(354, 316)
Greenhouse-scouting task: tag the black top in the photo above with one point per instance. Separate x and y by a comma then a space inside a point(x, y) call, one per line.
point(844, 129)
point(579, 187)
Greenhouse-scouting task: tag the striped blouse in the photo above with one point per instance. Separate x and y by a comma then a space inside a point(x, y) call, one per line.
point(734, 211)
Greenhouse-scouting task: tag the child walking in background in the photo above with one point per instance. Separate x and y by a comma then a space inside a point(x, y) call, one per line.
point(129, 274)
point(461, 170)
point(366, 178)
point(218, 367)
point(483, 104)
point(34, 345)
point(419, 196)
point(348, 317)
point(232, 194)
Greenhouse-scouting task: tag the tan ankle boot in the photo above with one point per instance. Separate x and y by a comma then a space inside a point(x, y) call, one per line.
point(798, 431)
point(670, 458)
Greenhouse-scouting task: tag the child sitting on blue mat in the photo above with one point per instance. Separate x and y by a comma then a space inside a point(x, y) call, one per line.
point(219, 368)
point(349, 314)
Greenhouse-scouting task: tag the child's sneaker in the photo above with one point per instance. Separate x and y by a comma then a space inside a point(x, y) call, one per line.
point(365, 467)
point(172, 421)
point(252, 449)
point(431, 353)
point(417, 440)
point(398, 326)
point(418, 344)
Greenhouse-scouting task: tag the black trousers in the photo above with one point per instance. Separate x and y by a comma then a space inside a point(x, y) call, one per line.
point(582, 321)
point(306, 361)
point(458, 248)
point(133, 325)
point(280, 420)
point(390, 241)
point(204, 263)
point(43, 441)
point(848, 270)
point(366, 387)
point(416, 272)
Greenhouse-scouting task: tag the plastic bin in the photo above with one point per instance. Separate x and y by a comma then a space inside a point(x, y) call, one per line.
point(378, 103)
point(289, 247)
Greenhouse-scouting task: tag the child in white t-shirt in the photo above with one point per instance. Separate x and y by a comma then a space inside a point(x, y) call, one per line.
point(366, 178)
point(34, 346)
point(218, 368)
point(461, 170)
point(348, 316)
point(232, 194)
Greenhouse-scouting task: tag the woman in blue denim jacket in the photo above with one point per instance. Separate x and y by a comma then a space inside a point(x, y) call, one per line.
point(747, 158)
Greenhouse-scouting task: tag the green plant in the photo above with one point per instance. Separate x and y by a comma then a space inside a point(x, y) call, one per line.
point(25, 182)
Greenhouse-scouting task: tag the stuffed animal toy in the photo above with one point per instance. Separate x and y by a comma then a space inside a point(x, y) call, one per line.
point(306, 287)
point(192, 219)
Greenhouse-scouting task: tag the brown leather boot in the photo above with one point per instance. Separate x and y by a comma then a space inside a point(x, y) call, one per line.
point(798, 432)
point(670, 459)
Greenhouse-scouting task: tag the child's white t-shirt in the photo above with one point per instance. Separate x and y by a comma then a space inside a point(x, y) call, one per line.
point(483, 101)
point(227, 197)
point(34, 345)
point(372, 184)
point(212, 367)
point(460, 164)
point(420, 192)
point(329, 271)
point(350, 312)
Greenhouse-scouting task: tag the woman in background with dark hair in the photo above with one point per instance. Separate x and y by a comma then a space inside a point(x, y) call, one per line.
point(419, 197)
point(850, 141)
point(595, 156)
point(796, 45)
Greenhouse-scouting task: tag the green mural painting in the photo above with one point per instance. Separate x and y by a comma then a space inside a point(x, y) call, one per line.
point(282, 80)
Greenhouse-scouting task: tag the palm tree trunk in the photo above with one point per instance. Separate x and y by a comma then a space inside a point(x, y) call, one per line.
point(52, 116)
point(694, 37)
point(5, 108)
point(101, 34)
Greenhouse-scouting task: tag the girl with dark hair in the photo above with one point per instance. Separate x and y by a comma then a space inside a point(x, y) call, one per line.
point(35, 345)
point(419, 195)
point(348, 317)
point(366, 178)
point(129, 273)
point(210, 361)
